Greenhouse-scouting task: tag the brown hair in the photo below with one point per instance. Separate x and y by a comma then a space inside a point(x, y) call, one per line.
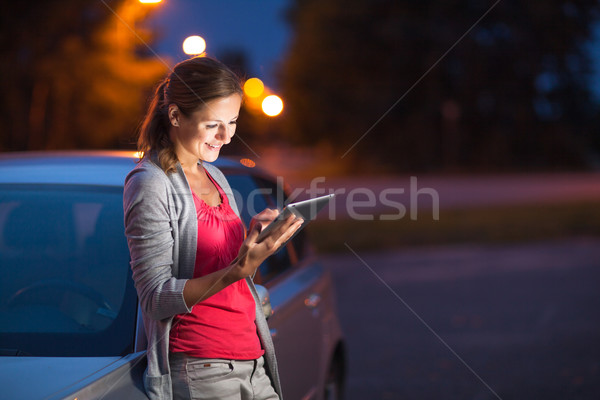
point(190, 85)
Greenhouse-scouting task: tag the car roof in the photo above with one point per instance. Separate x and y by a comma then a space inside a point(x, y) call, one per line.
point(106, 168)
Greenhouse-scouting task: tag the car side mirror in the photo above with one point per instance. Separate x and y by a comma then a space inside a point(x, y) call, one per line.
point(265, 300)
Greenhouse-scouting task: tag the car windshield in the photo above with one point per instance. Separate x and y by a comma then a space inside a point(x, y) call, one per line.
point(65, 282)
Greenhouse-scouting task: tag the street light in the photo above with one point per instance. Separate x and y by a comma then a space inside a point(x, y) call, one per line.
point(254, 87)
point(194, 45)
point(272, 105)
point(150, 1)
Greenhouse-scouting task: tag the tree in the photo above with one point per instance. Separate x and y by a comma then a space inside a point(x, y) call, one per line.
point(512, 93)
point(73, 74)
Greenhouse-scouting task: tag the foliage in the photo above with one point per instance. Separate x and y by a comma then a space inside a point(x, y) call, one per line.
point(73, 74)
point(512, 93)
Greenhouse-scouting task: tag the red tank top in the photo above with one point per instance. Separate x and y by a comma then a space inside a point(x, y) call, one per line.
point(221, 326)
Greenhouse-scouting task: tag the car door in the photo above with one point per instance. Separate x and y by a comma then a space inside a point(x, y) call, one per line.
point(297, 331)
point(295, 283)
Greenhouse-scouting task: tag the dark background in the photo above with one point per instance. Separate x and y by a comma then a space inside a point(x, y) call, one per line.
point(391, 86)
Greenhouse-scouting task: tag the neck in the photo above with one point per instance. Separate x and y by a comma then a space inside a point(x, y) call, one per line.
point(186, 159)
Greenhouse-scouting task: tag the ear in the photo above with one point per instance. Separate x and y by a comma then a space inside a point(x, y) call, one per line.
point(174, 114)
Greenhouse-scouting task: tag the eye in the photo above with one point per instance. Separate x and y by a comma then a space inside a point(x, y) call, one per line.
point(211, 126)
point(233, 122)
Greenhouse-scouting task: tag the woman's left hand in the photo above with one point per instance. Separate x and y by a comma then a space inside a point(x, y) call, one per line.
point(250, 256)
point(253, 253)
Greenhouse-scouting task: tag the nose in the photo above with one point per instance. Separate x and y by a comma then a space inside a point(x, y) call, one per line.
point(225, 133)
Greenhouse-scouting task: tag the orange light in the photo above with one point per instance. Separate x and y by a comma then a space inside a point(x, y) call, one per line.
point(254, 87)
point(150, 1)
point(272, 105)
point(246, 162)
point(194, 45)
point(139, 154)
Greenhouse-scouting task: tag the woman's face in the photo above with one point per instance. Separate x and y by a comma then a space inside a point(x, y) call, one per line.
point(202, 134)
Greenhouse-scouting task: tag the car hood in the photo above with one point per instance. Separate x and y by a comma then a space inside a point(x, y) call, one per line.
point(54, 377)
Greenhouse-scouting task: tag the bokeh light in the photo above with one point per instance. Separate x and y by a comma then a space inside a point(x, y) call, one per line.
point(254, 87)
point(246, 162)
point(194, 45)
point(272, 105)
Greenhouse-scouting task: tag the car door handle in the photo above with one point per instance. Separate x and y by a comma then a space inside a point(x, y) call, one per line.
point(312, 301)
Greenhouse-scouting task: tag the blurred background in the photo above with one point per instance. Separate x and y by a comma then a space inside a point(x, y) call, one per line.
point(490, 261)
point(437, 87)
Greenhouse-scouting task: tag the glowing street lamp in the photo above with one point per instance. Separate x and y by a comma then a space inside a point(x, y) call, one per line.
point(272, 105)
point(254, 87)
point(194, 45)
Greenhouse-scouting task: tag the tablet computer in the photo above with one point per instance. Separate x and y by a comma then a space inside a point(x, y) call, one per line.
point(306, 209)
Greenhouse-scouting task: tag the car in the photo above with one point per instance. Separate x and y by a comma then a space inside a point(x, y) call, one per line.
point(70, 323)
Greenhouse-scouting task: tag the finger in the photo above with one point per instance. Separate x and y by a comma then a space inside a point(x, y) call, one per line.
point(268, 214)
point(281, 227)
point(290, 231)
point(291, 220)
point(265, 217)
point(254, 231)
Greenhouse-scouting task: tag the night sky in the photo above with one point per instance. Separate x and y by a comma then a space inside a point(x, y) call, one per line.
point(256, 27)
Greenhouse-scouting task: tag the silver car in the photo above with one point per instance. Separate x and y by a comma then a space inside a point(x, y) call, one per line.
point(70, 326)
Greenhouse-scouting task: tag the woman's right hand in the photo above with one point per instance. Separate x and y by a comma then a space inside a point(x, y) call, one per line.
point(253, 253)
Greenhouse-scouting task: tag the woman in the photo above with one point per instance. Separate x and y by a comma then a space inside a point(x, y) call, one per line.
point(192, 266)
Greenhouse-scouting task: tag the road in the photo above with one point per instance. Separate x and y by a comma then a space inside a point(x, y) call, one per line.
point(517, 321)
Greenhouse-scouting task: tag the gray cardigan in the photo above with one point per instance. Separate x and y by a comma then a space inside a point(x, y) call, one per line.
point(162, 229)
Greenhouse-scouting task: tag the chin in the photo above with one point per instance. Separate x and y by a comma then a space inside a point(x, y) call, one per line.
point(209, 157)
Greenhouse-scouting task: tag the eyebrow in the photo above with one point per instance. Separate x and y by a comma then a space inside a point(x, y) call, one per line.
point(220, 120)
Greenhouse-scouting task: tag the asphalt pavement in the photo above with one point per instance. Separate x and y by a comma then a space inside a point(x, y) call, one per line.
point(518, 321)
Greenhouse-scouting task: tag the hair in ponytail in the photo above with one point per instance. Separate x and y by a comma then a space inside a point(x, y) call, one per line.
point(191, 84)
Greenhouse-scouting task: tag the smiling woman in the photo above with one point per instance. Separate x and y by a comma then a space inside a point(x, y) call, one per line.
point(187, 90)
point(191, 258)
point(200, 135)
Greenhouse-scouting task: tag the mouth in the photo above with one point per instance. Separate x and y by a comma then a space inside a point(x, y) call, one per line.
point(214, 147)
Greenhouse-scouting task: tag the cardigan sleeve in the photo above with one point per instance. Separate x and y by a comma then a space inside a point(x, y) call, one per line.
point(149, 235)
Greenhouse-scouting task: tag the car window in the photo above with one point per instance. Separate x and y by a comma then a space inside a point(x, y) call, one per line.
point(65, 281)
point(252, 197)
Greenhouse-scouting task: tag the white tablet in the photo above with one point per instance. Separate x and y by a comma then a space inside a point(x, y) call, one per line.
point(306, 209)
